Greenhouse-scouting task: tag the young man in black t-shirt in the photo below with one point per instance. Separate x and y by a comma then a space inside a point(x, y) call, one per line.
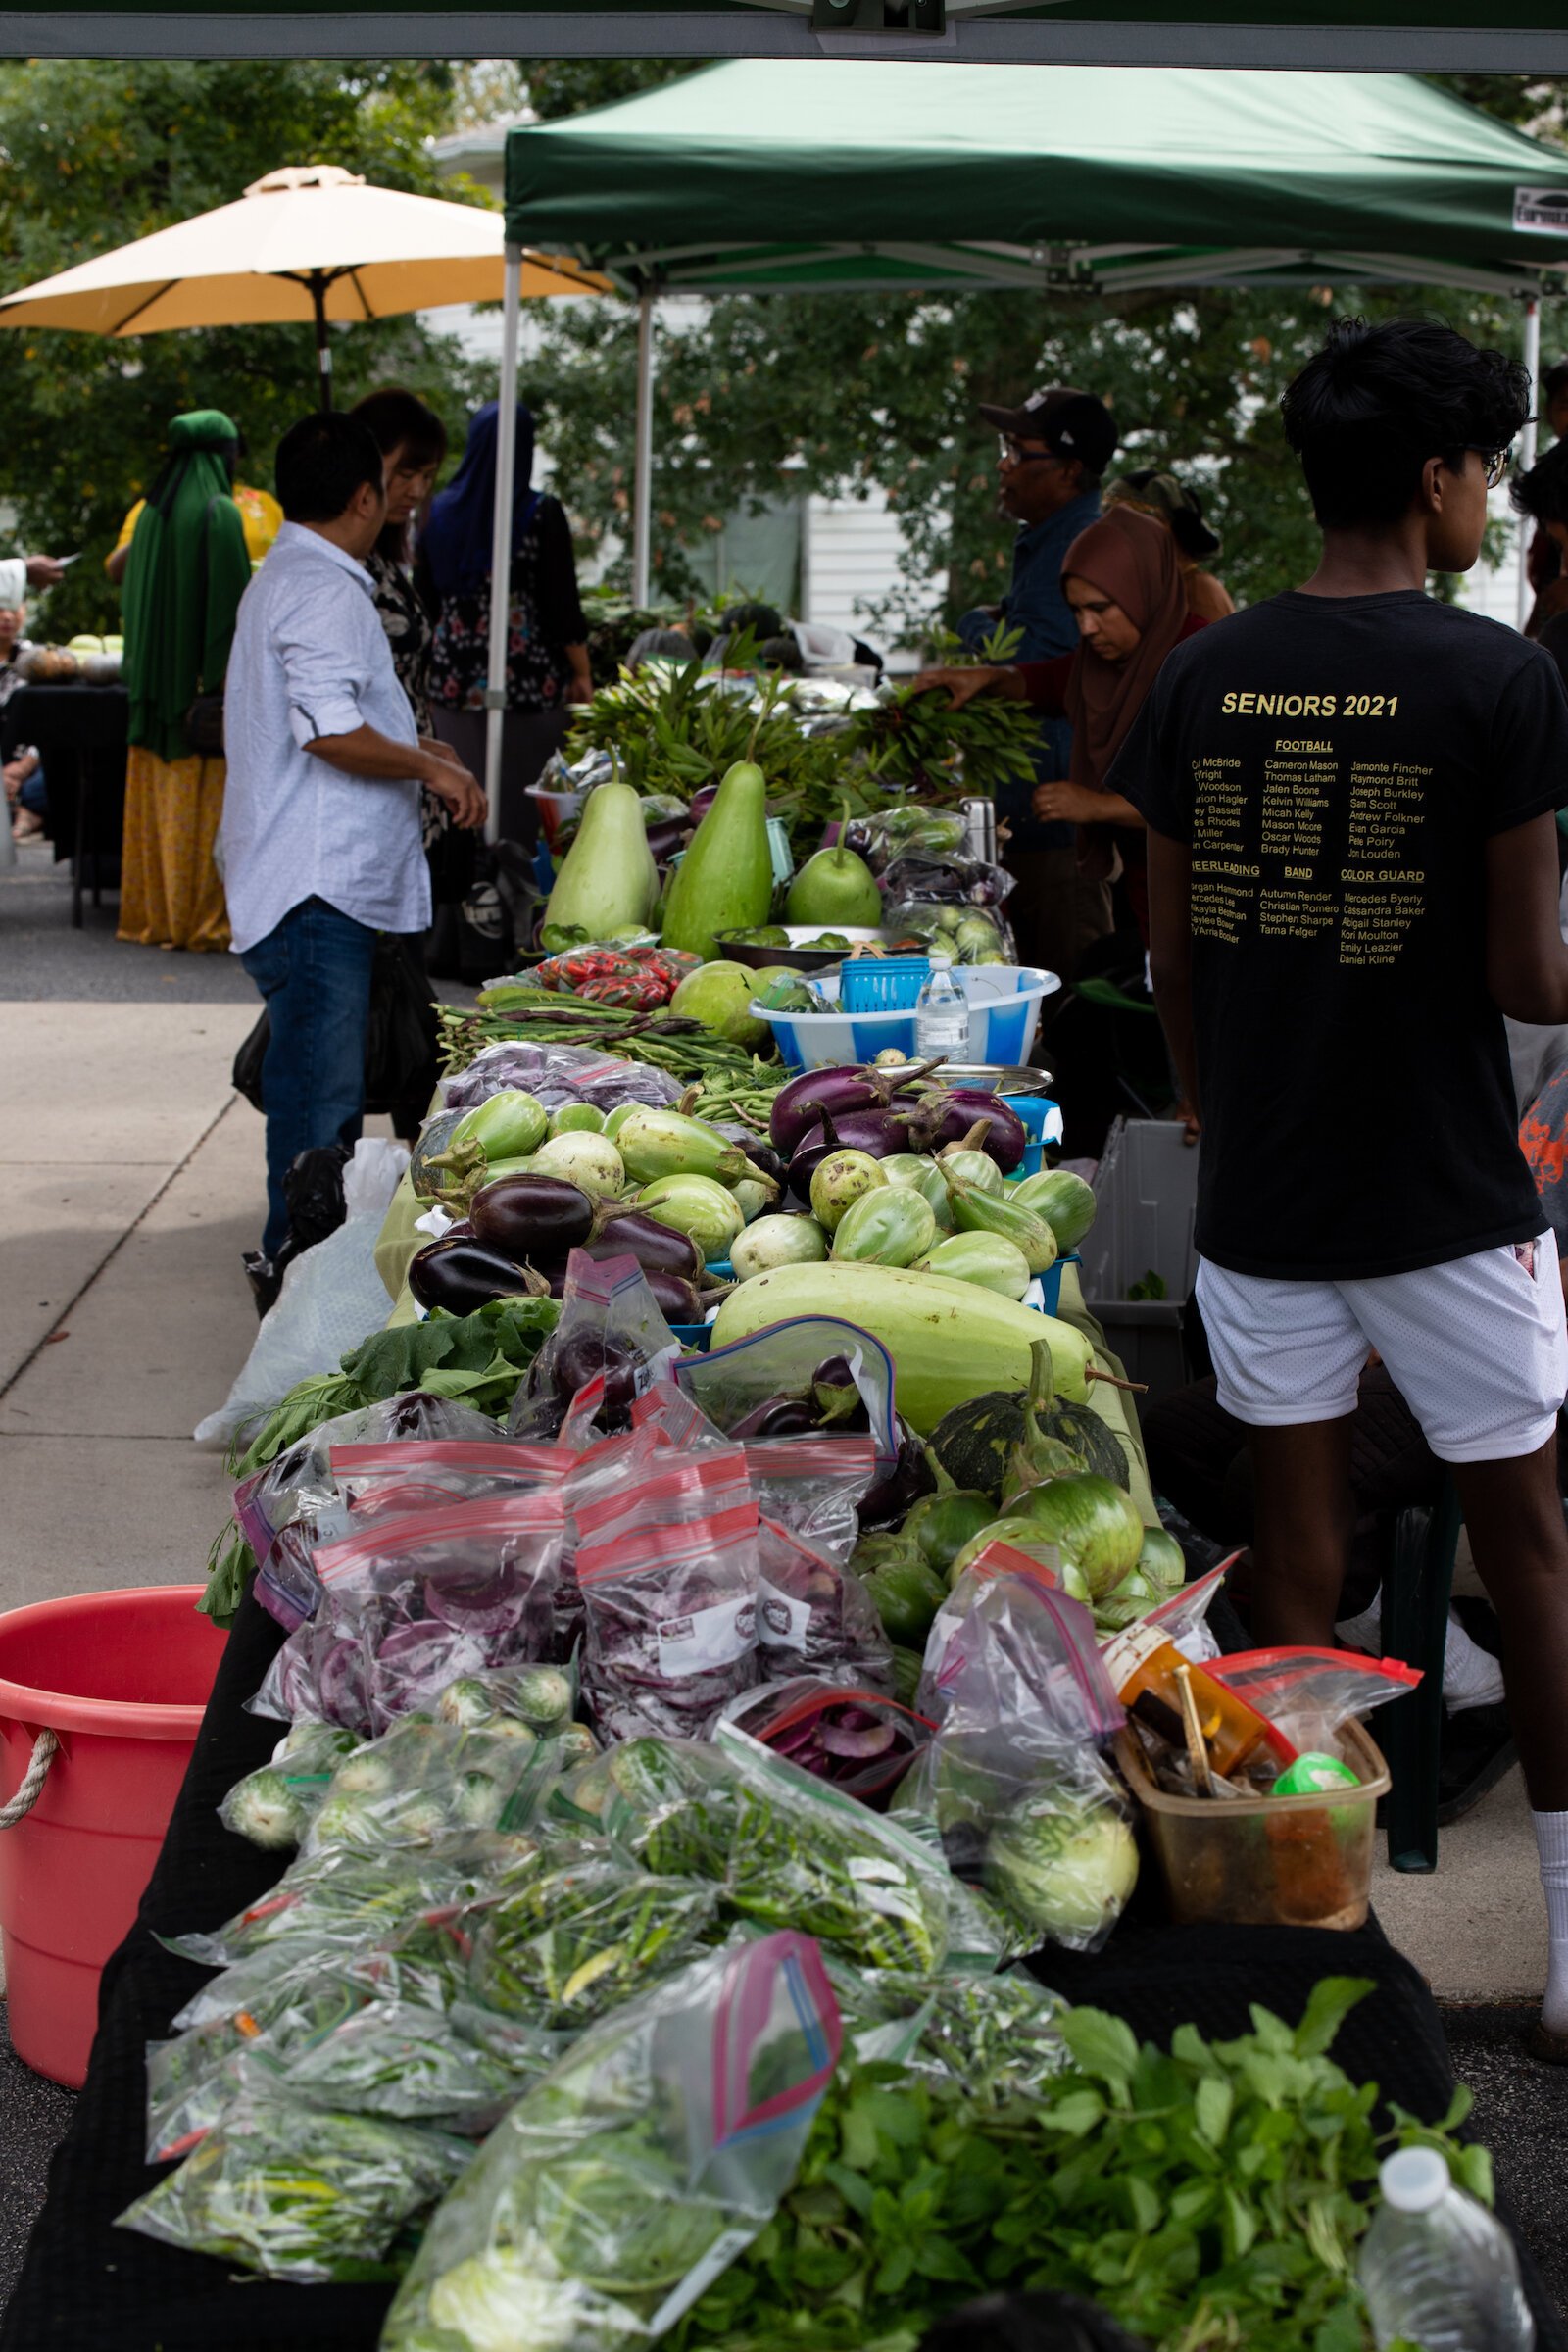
point(1352, 878)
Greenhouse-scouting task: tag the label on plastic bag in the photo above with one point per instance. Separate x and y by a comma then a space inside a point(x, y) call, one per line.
point(781, 1622)
point(704, 1639)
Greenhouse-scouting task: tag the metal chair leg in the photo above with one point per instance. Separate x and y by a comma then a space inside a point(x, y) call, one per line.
point(1415, 1628)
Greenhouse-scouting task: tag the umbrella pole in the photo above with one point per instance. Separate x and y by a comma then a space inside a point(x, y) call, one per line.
point(643, 458)
point(324, 348)
point(495, 693)
point(1527, 449)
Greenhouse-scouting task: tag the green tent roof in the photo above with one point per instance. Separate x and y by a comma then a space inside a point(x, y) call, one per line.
point(806, 174)
point(1517, 36)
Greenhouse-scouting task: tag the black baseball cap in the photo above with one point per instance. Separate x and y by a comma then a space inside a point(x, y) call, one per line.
point(1071, 423)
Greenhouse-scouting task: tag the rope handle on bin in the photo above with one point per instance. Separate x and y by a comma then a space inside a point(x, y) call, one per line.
point(44, 1750)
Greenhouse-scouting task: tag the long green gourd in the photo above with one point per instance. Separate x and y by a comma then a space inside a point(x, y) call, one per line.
point(607, 878)
point(725, 880)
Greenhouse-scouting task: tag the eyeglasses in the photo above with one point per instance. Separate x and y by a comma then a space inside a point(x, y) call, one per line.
point(1497, 461)
point(1013, 453)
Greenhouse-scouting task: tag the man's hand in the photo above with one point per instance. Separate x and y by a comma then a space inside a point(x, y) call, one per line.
point(1060, 802)
point(450, 782)
point(960, 685)
point(43, 572)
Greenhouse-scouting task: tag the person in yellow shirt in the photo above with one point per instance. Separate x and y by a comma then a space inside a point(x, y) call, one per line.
point(259, 511)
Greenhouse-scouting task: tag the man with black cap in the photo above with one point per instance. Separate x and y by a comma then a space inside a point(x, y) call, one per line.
point(1053, 451)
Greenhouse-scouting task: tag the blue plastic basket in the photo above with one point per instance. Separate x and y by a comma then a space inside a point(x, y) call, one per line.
point(1051, 1281)
point(882, 983)
point(694, 1337)
point(1042, 1119)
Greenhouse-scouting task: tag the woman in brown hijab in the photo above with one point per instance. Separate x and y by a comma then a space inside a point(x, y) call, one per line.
point(1123, 581)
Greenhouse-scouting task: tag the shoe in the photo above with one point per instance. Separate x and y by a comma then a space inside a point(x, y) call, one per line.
point(1478, 1749)
point(265, 1280)
point(27, 825)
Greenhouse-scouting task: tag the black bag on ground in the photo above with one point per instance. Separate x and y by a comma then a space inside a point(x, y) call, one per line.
point(401, 1054)
point(478, 938)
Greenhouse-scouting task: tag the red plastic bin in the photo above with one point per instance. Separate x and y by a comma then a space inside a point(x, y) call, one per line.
point(122, 1680)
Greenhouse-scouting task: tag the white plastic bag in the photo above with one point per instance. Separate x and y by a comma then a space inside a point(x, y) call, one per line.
point(333, 1298)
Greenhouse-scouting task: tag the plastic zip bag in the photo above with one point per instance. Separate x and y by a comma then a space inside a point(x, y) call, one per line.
point(668, 1582)
point(858, 1741)
point(408, 2063)
point(669, 1804)
point(999, 2036)
point(1310, 1695)
point(577, 1941)
point(409, 1605)
point(996, 1559)
point(344, 1900)
point(421, 1474)
point(610, 1332)
point(287, 2189)
point(274, 1806)
point(732, 1383)
point(424, 1782)
point(1015, 1780)
point(618, 2189)
point(557, 1075)
point(812, 1486)
point(815, 1616)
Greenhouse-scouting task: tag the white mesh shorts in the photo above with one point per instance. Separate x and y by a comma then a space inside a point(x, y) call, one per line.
point(1477, 1347)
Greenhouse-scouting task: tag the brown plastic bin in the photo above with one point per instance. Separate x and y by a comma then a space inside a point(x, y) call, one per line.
point(1265, 1861)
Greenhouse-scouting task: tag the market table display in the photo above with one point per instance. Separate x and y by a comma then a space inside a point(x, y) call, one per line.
point(676, 1680)
point(81, 732)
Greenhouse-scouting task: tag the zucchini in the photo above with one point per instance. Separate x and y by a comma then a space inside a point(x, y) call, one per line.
point(949, 1341)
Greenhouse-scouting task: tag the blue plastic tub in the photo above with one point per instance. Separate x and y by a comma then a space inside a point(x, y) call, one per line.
point(1043, 1118)
point(694, 1337)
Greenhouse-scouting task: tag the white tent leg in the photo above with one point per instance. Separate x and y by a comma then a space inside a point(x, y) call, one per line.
point(643, 456)
point(495, 697)
point(1527, 447)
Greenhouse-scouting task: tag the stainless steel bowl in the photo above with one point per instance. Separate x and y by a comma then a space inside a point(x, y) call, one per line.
point(996, 1078)
point(797, 955)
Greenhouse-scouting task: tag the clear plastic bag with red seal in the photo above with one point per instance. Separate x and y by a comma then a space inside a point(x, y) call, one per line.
point(667, 1413)
point(298, 1482)
point(409, 1605)
point(858, 1739)
point(815, 1616)
point(655, 1485)
point(812, 1486)
point(670, 1606)
point(615, 2191)
point(1310, 1695)
point(1015, 1780)
point(423, 1474)
point(996, 1559)
point(610, 1343)
point(815, 1373)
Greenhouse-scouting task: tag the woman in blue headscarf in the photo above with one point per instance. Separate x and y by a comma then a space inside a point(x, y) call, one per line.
point(547, 649)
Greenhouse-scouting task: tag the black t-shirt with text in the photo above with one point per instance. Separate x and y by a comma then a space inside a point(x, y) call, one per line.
point(1335, 765)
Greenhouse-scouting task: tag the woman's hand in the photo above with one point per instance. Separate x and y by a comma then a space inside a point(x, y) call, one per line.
point(961, 685)
point(581, 688)
point(1063, 804)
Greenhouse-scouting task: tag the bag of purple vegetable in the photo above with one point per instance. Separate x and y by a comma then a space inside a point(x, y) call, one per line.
point(612, 1339)
point(815, 1373)
point(860, 1740)
point(814, 1615)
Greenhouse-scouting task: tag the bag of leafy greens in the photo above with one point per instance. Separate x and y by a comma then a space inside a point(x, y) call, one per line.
point(618, 2188)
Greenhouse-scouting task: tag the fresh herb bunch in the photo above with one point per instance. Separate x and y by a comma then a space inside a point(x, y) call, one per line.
point(813, 1869)
point(1209, 2197)
point(577, 1942)
point(678, 729)
point(918, 743)
point(479, 1357)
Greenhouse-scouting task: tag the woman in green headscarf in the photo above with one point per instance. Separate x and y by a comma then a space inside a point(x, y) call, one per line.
point(187, 571)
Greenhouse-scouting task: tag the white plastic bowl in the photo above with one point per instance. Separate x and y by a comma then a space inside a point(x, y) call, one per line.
point(1004, 1000)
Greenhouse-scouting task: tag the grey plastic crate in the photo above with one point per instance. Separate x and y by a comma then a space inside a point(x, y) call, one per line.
point(1146, 1191)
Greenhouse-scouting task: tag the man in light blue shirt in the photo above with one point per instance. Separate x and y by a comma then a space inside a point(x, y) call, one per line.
point(319, 843)
point(1053, 451)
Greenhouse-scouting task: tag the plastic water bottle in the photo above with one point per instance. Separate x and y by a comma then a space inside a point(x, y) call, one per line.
point(1437, 2269)
point(942, 1018)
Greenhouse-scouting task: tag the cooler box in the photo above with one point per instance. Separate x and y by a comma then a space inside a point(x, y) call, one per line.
point(1146, 1191)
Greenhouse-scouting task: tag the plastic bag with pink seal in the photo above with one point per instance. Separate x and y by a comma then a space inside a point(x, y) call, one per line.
point(610, 1343)
point(409, 1605)
point(1310, 1694)
point(815, 1616)
point(859, 1740)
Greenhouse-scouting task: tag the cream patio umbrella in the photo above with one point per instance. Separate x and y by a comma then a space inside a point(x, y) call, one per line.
point(310, 243)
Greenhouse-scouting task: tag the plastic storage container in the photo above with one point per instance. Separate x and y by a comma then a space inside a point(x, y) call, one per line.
point(557, 810)
point(1004, 1000)
point(121, 1679)
point(882, 983)
point(1042, 1119)
point(1145, 1195)
point(1264, 1861)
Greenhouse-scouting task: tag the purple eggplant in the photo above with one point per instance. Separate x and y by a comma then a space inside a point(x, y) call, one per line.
point(632, 1233)
point(585, 1356)
point(836, 1094)
point(666, 837)
point(463, 1276)
point(776, 1417)
point(535, 1218)
point(896, 1495)
point(951, 1116)
point(679, 1300)
point(880, 1132)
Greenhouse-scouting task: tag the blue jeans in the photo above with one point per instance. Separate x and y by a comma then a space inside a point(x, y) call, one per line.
point(314, 972)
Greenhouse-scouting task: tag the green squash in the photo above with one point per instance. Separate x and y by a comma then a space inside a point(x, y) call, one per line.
point(725, 880)
point(607, 878)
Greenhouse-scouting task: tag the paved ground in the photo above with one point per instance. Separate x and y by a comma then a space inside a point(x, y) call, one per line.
point(132, 1181)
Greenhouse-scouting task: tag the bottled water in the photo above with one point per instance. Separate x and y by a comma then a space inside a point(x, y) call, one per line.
point(942, 1018)
point(1436, 2268)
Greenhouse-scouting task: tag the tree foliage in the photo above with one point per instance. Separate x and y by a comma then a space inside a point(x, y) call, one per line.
point(95, 155)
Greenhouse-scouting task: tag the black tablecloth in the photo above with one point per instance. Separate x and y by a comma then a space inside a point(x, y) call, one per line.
point(88, 2286)
point(81, 732)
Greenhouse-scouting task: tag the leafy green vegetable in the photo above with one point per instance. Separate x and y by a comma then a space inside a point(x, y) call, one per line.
point(919, 742)
point(296, 2193)
point(575, 1942)
point(1210, 2196)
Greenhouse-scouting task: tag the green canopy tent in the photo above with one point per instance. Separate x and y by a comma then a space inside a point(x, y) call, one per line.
point(1518, 36)
point(1087, 177)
